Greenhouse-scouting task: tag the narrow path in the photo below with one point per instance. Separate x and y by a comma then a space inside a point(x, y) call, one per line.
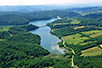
point(72, 52)
point(72, 61)
point(63, 42)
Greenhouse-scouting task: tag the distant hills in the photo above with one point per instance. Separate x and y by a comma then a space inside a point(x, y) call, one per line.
point(86, 9)
point(31, 8)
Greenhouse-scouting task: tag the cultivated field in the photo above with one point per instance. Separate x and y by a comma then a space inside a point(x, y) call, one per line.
point(79, 27)
point(4, 28)
point(93, 33)
point(75, 22)
point(74, 39)
point(92, 51)
point(84, 43)
point(101, 46)
point(1, 39)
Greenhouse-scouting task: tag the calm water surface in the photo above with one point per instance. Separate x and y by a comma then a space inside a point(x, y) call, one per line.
point(48, 41)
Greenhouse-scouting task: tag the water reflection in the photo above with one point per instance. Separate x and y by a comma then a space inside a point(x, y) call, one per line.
point(48, 41)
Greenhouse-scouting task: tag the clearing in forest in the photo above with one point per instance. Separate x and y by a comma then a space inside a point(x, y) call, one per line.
point(1, 39)
point(57, 24)
point(93, 33)
point(75, 22)
point(4, 28)
point(79, 27)
point(84, 43)
point(74, 39)
point(92, 51)
point(101, 46)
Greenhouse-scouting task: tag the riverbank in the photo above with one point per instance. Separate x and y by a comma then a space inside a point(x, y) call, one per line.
point(62, 44)
point(48, 40)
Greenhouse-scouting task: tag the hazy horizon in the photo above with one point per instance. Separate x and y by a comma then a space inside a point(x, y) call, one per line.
point(44, 2)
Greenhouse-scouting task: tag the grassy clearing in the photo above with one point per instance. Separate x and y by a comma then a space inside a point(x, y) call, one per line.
point(84, 43)
point(91, 32)
point(57, 24)
point(75, 22)
point(4, 28)
point(1, 39)
point(101, 46)
point(79, 27)
point(56, 29)
point(92, 51)
point(95, 35)
point(74, 39)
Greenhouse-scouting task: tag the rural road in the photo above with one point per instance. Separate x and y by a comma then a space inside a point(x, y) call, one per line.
point(72, 52)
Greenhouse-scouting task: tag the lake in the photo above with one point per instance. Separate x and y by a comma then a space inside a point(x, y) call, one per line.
point(48, 41)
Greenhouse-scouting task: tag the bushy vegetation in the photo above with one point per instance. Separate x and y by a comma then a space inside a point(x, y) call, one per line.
point(19, 18)
point(18, 45)
point(20, 49)
point(80, 38)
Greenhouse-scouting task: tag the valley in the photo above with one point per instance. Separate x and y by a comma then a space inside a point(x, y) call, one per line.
point(23, 44)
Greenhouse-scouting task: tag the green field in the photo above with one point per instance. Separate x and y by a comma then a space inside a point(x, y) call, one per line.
point(74, 39)
point(84, 43)
point(1, 39)
point(4, 28)
point(75, 22)
point(101, 46)
point(95, 35)
point(92, 51)
point(79, 27)
point(91, 32)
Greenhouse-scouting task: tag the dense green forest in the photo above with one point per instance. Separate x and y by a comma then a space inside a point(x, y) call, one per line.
point(19, 18)
point(80, 34)
point(18, 45)
point(18, 48)
point(83, 35)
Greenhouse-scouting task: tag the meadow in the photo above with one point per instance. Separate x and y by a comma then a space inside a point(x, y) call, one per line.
point(74, 39)
point(4, 28)
point(75, 22)
point(92, 51)
point(101, 46)
point(93, 33)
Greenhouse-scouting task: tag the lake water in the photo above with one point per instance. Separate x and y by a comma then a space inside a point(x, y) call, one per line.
point(48, 41)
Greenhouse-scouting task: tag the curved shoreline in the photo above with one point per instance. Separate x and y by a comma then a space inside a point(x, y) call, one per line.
point(44, 32)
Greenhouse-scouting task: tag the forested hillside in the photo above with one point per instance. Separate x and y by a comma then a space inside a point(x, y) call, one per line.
point(18, 48)
point(83, 36)
point(19, 18)
point(17, 45)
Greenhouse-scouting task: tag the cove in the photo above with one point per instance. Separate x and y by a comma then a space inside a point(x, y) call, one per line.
point(48, 41)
